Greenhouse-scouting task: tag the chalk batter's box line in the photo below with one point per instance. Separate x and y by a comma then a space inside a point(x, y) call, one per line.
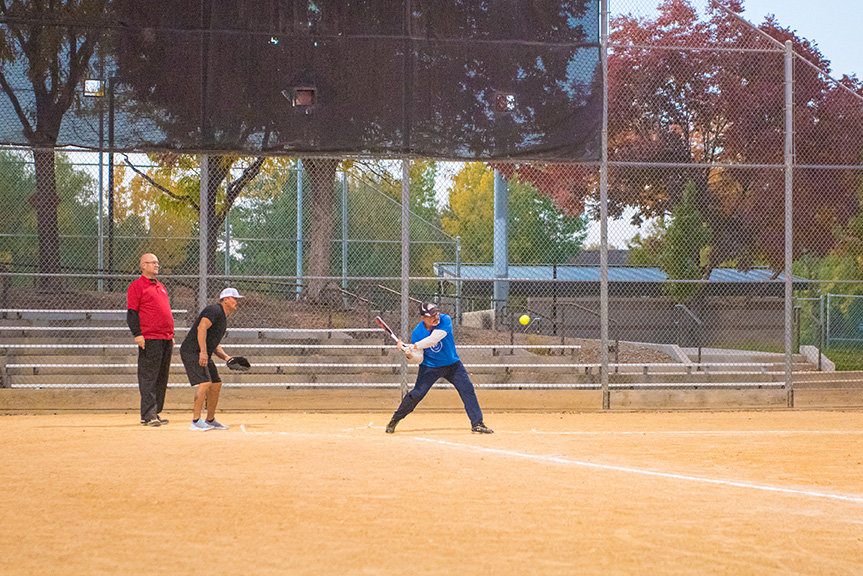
point(645, 472)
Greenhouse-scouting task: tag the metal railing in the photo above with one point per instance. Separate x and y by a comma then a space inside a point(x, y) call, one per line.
point(698, 323)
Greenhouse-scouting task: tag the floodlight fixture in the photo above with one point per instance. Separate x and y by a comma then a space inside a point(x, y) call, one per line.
point(303, 96)
point(94, 88)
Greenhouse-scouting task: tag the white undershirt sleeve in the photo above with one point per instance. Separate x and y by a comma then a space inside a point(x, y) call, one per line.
point(430, 340)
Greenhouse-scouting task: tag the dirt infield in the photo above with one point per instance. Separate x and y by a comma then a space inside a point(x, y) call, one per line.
point(588, 493)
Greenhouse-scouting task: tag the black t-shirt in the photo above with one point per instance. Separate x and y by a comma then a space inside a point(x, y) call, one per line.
point(216, 315)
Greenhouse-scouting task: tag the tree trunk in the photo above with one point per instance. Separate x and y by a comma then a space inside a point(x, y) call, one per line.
point(219, 168)
point(45, 201)
point(322, 175)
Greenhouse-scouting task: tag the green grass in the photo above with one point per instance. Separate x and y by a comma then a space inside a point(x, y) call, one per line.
point(846, 357)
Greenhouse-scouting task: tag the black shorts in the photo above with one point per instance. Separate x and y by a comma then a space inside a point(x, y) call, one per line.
point(199, 374)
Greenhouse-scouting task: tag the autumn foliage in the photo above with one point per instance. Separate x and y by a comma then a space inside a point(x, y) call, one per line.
point(679, 97)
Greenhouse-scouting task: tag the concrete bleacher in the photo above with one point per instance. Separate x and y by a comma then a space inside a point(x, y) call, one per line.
point(85, 360)
point(40, 349)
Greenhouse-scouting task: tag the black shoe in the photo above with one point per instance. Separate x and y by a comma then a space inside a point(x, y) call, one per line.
point(155, 422)
point(391, 427)
point(161, 420)
point(481, 428)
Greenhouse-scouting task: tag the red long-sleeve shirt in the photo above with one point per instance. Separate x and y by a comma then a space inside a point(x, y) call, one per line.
point(149, 299)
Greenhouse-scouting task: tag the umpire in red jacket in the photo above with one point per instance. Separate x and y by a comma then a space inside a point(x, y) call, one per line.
point(148, 314)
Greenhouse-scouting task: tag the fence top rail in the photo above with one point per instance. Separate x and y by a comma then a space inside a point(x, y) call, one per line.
point(519, 346)
point(71, 311)
point(696, 364)
point(298, 346)
point(66, 328)
point(261, 346)
point(180, 328)
point(508, 385)
point(390, 365)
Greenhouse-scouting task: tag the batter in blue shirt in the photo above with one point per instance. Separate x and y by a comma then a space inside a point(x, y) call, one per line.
point(434, 338)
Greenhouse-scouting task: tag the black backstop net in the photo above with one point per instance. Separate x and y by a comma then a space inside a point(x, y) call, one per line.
point(455, 79)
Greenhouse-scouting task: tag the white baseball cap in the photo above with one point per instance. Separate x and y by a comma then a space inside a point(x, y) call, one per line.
point(229, 293)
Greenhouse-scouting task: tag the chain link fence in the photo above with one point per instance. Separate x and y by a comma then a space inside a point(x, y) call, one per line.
point(729, 208)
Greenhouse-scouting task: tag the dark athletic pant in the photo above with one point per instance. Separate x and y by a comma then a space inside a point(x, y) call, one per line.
point(154, 363)
point(427, 376)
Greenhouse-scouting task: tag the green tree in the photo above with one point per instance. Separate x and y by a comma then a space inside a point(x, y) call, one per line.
point(539, 233)
point(267, 217)
point(470, 213)
point(423, 200)
point(683, 254)
point(17, 220)
point(178, 179)
point(76, 215)
point(53, 59)
point(645, 251)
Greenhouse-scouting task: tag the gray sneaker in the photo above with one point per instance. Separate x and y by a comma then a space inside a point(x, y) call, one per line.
point(200, 426)
point(215, 425)
point(481, 428)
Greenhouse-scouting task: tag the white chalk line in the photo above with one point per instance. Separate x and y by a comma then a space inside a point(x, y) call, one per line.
point(297, 434)
point(626, 469)
point(629, 470)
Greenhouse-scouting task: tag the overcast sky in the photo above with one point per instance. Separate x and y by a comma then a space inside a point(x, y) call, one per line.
point(834, 25)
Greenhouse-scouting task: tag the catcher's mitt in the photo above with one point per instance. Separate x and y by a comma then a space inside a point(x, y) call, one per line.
point(240, 363)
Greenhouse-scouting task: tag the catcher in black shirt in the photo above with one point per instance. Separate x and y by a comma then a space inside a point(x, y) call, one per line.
point(202, 341)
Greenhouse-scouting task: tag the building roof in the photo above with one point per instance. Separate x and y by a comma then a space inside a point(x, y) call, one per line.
point(566, 273)
point(591, 258)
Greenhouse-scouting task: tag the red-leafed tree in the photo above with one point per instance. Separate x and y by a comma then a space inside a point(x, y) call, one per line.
point(675, 100)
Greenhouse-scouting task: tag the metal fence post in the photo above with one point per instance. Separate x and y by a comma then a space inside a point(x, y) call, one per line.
point(100, 254)
point(458, 308)
point(821, 330)
point(405, 280)
point(228, 248)
point(603, 216)
point(202, 232)
point(111, 85)
point(344, 236)
point(500, 245)
point(299, 226)
point(789, 225)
